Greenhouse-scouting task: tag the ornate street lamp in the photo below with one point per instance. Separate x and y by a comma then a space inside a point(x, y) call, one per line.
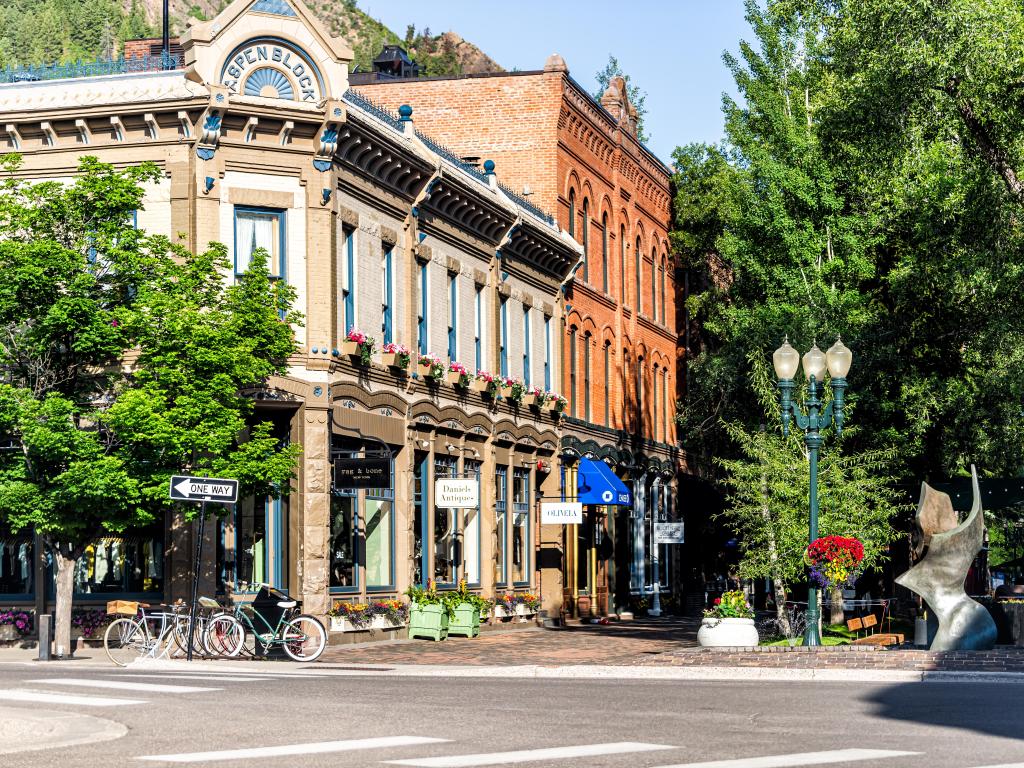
point(838, 360)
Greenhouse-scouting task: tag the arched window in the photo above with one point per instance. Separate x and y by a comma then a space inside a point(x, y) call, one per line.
point(586, 240)
point(622, 259)
point(654, 284)
point(661, 282)
point(654, 401)
point(572, 371)
point(639, 394)
point(572, 213)
point(664, 404)
point(639, 274)
point(586, 376)
point(607, 379)
point(604, 252)
point(627, 380)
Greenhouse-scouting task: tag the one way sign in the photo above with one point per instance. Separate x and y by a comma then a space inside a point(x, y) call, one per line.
point(204, 489)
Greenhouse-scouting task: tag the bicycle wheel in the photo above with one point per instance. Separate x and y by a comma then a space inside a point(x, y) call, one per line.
point(225, 635)
point(125, 640)
point(304, 638)
point(180, 636)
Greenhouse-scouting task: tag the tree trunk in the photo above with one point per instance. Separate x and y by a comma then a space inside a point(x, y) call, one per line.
point(780, 606)
point(837, 606)
point(65, 592)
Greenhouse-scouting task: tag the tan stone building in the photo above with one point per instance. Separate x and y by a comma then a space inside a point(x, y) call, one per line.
point(380, 229)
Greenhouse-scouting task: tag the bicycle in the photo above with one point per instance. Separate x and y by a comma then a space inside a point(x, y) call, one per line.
point(128, 637)
point(301, 636)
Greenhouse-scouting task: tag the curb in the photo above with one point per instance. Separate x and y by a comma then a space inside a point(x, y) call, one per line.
point(49, 729)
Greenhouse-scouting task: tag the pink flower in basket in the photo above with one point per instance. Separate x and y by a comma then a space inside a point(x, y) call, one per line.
point(356, 335)
point(485, 376)
point(395, 349)
point(458, 368)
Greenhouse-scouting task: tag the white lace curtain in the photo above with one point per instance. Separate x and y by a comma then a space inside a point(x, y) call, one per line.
point(255, 231)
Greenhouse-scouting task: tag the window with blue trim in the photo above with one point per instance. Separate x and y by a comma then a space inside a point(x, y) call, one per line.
point(422, 341)
point(445, 529)
point(453, 317)
point(527, 345)
point(379, 514)
point(503, 343)
point(501, 522)
point(547, 353)
point(471, 531)
point(260, 228)
point(131, 562)
point(478, 327)
point(348, 280)
point(387, 298)
point(521, 526)
point(344, 540)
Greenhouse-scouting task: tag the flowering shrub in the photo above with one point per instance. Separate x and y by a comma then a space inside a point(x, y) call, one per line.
point(401, 352)
point(366, 344)
point(491, 380)
point(459, 368)
point(731, 605)
point(90, 622)
point(834, 560)
point(436, 367)
point(21, 621)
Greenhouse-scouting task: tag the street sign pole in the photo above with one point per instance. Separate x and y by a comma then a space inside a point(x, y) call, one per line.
point(195, 580)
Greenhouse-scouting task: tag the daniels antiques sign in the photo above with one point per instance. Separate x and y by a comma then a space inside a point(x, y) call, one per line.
point(456, 493)
point(272, 69)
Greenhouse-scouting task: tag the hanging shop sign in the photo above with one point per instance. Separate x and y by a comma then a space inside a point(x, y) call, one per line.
point(365, 472)
point(561, 513)
point(456, 493)
point(669, 533)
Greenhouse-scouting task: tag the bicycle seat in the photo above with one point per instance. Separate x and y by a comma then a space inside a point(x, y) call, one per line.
point(286, 603)
point(208, 602)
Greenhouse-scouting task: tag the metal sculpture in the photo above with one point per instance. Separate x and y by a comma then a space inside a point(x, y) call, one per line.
point(939, 575)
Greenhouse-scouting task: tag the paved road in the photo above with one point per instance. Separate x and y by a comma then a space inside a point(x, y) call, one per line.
point(324, 717)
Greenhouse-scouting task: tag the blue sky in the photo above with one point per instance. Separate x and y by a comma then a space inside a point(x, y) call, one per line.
point(672, 49)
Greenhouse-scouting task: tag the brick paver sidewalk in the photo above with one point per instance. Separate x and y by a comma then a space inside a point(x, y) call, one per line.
point(626, 643)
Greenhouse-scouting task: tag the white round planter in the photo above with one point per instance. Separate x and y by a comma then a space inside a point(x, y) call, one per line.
point(727, 632)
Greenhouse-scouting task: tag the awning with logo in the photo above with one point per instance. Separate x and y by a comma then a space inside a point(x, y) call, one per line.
point(597, 484)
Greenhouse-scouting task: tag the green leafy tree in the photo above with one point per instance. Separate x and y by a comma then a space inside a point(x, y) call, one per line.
point(637, 96)
point(123, 359)
point(768, 504)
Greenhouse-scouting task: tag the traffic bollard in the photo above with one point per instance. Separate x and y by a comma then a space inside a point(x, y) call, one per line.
point(45, 637)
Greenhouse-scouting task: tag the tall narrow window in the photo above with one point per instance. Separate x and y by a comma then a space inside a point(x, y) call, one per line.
point(421, 317)
point(607, 381)
point(627, 411)
point(453, 318)
point(655, 424)
point(471, 531)
point(379, 519)
point(445, 529)
point(572, 213)
point(654, 285)
point(521, 526)
point(639, 275)
point(344, 540)
point(572, 371)
point(547, 353)
point(622, 261)
point(586, 240)
point(586, 376)
point(501, 522)
point(387, 297)
point(640, 394)
point(348, 281)
point(503, 341)
point(604, 252)
point(527, 345)
point(661, 281)
point(256, 228)
point(664, 404)
point(478, 327)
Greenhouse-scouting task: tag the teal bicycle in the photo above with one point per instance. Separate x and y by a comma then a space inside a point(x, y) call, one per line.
point(269, 621)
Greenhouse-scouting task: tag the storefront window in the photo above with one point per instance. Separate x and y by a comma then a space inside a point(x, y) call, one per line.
point(380, 525)
point(501, 499)
point(132, 562)
point(471, 533)
point(344, 525)
point(17, 555)
point(419, 514)
point(444, 528)
point(520, 525)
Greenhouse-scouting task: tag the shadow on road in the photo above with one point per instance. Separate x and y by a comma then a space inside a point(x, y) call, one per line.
point(990, 708)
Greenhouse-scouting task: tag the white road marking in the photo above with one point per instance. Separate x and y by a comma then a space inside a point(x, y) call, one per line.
point(19, 694)
point(529, 755)
point(313, 748)
point(800, 758)
point(189, 677)
point(1003, 765)
point(147, 687)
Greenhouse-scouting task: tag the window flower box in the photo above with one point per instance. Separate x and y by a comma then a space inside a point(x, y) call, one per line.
point(437, 369)
point(395, 356)
point(428, 621)
point(358, 344)
point(385, 623)
point(513, 389)
point(466, 621)
point(345, 624)
point(530, 399)
point(487, 383)
point(458, 376)
point(501, 612)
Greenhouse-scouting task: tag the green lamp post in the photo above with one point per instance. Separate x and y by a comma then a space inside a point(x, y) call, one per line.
point(838, 360)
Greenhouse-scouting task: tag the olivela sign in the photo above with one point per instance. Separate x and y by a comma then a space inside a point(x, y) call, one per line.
point(456, 492)
point(561, 513)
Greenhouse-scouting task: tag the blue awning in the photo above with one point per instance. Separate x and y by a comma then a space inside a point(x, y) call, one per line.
point(597, 484)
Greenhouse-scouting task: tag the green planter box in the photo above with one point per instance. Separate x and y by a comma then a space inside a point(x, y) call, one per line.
point(428, 621)
point(466, 621)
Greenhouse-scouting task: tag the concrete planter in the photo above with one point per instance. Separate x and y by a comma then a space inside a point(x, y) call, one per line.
point(500, 612)
point(428, 621)
point(9, 633)
point(716, 633)
point(343, 624)
point(383, 622)
point(466, 621)
point(524, 612)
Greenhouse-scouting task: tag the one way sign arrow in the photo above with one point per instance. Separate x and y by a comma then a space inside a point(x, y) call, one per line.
point(184, 488)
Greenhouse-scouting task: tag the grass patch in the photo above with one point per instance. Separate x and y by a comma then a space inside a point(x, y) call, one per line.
point(827, 640)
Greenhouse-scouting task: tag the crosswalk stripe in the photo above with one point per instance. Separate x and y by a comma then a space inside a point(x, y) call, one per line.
point(122, 686)
point(285, 750)
point(1003, 765)
point(222, 678)
point(18, 694)
point(800, 758)
point(529, 755)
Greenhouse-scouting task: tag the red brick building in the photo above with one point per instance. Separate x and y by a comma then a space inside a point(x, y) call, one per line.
point(579, 159)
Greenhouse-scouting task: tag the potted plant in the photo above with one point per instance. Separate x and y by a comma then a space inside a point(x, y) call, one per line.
point(467, 609)
point(458, 376)
point(530, 396)
point(437, 368)
point(388, 614)
point(557, 402)
point(14, 625)
point(513, 389)
point(358, 344)
point(429, 613)
point(349, 617)
point(486, 382)
point(527, 605)
point(540, 398)
point(395, 356)
point(729, 623)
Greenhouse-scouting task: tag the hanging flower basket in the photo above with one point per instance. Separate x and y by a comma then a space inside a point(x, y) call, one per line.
point(834, 560)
